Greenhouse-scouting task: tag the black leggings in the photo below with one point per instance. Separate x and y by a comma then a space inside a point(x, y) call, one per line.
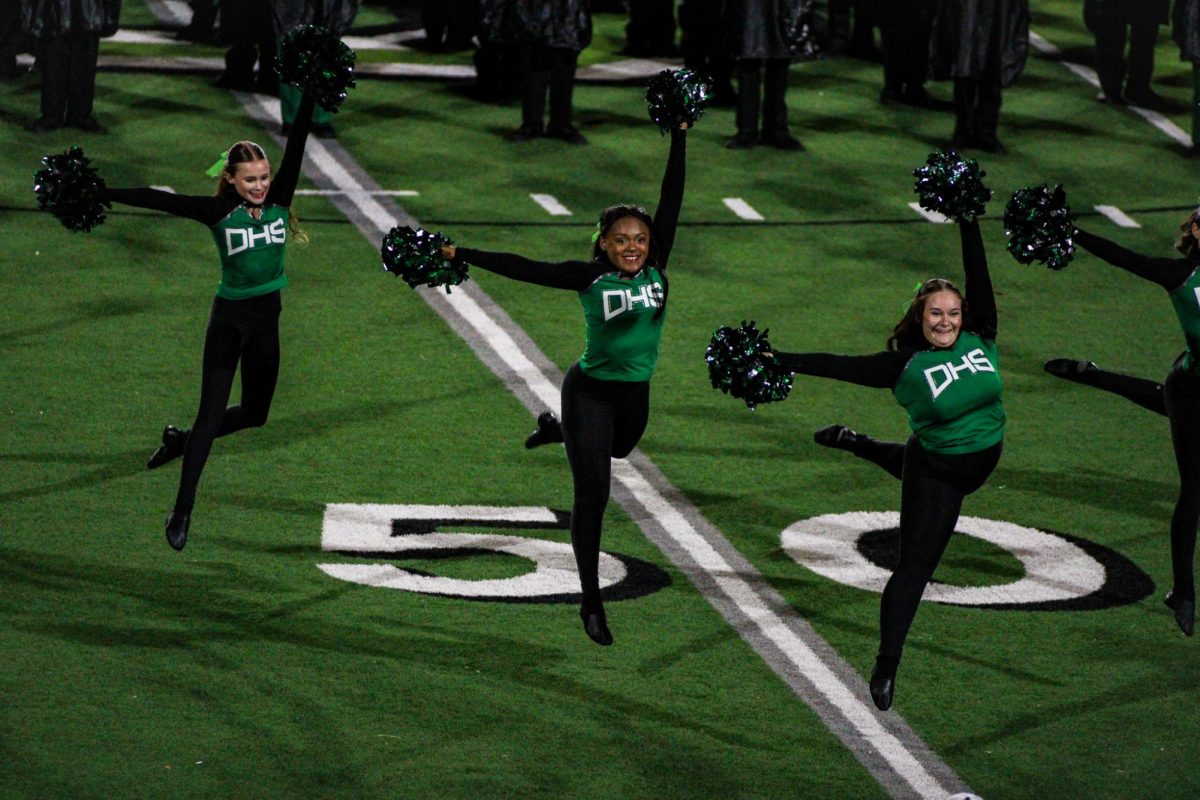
point(932, 488)
point(601, 420)
point(238, 330)
point(1178, 399)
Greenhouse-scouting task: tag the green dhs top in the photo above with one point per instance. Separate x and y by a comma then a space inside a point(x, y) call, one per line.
point(251, 252)
point(624, 326)
point(1186, 300)
point(952, 396)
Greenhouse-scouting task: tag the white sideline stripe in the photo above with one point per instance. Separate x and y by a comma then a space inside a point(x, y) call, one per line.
point(932, 216)
point(385, 192)
point(777, 631)
point(551, 205)
point(743, 209)
point(1118, 216)
point(164, 189)
point(901, 761)
point(1089, 75)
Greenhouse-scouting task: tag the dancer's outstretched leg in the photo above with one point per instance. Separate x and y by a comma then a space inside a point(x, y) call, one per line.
point(888, 455)
point(1182, 395)
point(1146, 393)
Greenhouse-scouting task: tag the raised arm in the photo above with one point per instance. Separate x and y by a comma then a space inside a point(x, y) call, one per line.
point(879, 370)
point(576, 275)
point(1169, 273)
point(981, 302)
point(283, 186)
point(208, 210)
point(670, 198)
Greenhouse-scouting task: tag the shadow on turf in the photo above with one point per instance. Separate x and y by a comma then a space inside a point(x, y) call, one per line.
point(1119, 493)
point(279, 433)
point(105, 308)
point(176, 619)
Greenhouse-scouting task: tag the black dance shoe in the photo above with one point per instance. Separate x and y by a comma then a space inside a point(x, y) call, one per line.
point(838, 436)
point(177, 529)
point(171, 448)
point(742, 141)
point(883, 684)
point(566, 133)
point(548, 431)
point(595, 625)
point(525, 133)
point(1068, 368)
point(1185, 612)
point(782, 140)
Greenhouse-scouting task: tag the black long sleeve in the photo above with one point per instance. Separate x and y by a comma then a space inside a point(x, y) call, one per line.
point(210, 210)
point(1169, 273)
point(576, 275)
point(878, 370)
point(670, 197)
point(283, 185)
point(981, 302)
point(206, 209)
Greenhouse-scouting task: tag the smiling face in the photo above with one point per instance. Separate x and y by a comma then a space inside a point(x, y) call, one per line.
point(251, 180)
point(627, 244)
point(942, 318)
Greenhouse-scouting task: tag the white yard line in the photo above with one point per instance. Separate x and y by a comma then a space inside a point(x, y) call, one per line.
point(1118, 216)
point(376, 192)
point(743, 209)
point(1088, 75)
point(932, 216)
point(883, 743)
point(550, 205)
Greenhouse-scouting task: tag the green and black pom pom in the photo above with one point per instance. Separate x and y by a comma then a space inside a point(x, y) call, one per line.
point(952, 186)
point(1038, 223)
point(741, 364)
point(70, 189)
point(416, 256)
point(317, 62)
point(678, 96)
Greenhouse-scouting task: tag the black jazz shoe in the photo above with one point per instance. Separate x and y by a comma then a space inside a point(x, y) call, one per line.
point(548, 430)
point(171, 448)
point(1185, 612)
point(177, 528)
point(1068, 368)
point(883, 684)
point(838, 436)
point(595, 625)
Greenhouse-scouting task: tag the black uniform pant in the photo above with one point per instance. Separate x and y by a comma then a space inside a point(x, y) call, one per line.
point(1113, 30)
point(772, 76)
point(905, 28)
point(601, 420)
point(67, 63)
point(245, 331)
point(250, 31)
point(976, 109)
point(545, 68)
point(703, 49)
point(651, 28)
point(932, 488)
point(1178, 399)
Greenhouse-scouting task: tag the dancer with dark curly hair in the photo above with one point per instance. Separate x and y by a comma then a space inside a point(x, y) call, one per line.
point(606, 393)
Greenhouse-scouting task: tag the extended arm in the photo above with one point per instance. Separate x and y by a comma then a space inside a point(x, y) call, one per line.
point(283, 186)
point(879, 370)
point(577, 275)
point(670, 198)
point(981, 302)
point(1169, 273)
point(208, 210)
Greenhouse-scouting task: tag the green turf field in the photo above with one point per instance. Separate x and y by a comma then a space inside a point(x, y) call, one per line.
point(238, 668)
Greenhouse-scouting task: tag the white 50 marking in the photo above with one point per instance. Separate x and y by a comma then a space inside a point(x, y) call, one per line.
point(359, 528)
point(1055, 569)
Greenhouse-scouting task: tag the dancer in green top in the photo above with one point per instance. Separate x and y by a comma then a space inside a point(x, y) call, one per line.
point(606, 394)
point(1177, 398)
point(249, 219)
point(941, 364)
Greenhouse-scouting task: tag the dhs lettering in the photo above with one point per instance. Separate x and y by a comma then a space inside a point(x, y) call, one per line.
point(239, 239)
point(618, 301)
point(941, 376)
